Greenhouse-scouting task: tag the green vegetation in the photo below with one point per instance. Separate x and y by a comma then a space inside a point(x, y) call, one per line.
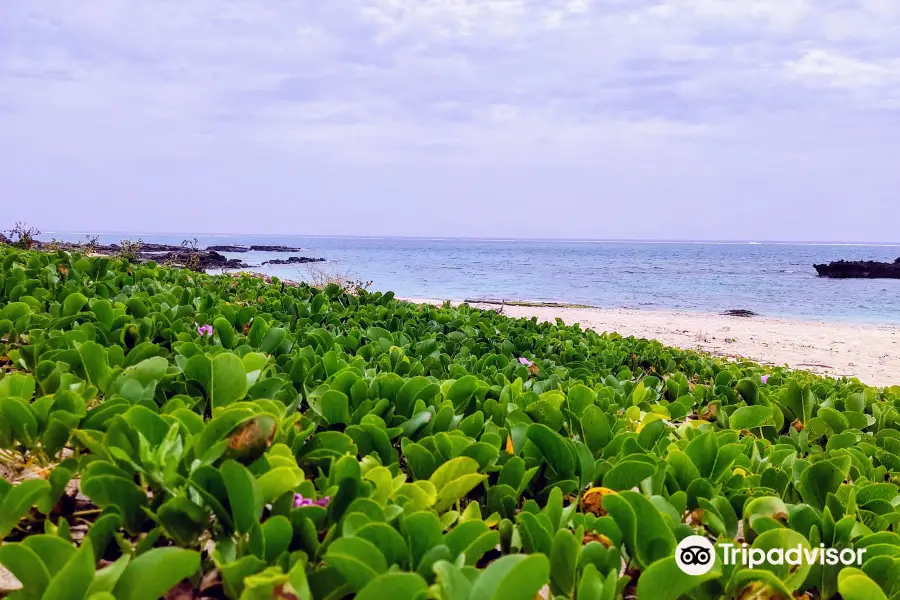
point(227, 437)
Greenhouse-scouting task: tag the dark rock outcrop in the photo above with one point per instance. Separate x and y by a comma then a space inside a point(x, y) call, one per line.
point(274, 249)
point(197, 260)
point(860, 269)
point(739, 312)
point(186, 255)
point(228, 248)
point(176, 256)
point(293, 260)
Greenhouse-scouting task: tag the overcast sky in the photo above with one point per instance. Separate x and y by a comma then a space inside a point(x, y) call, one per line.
point(675, 119)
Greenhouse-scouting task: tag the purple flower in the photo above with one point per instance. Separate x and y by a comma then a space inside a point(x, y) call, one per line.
point(204, 330)
point(525, 361)
point(300, 501)
point(765, 379)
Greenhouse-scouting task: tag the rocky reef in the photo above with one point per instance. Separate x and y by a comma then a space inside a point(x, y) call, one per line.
point(293, 260)
point(187, 255)
point(859, 269)
point(254, 248)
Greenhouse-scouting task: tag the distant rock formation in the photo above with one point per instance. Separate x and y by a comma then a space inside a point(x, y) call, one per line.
point(186, 255)
point(198, 260)
point(228, 248)
point(293, 260)
point(253, 248)
point(274, 249)
point(739, 312)
point(859, 269)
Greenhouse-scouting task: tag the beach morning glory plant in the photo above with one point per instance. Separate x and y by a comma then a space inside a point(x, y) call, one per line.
point(300, 501)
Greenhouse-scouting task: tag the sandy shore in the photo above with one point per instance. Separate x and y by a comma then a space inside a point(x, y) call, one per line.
point(868, 352)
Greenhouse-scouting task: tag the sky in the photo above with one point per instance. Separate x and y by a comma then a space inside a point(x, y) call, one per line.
point(626, 119)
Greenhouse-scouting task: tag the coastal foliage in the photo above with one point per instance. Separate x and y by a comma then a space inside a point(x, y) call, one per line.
point(165, 433)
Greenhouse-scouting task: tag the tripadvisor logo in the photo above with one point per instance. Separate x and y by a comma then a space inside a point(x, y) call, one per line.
point(696, 555)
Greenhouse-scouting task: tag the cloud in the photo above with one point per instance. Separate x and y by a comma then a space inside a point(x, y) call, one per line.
point(829, 69)
point(742, 84)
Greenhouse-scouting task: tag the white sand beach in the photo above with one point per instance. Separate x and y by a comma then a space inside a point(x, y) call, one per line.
point(869, 352)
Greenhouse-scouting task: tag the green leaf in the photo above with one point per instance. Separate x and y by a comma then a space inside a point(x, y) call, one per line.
point(277, 532)
point(276, 482)
point(106, 578)
point(388, 540)
point(243, 495)
point(563, 562)
point(155, 572)
point(298, 581)
point(818, 480)
point(54, 551)
point(791, 576)
point(462, 391)
point(471, 538)
point(454, 585)
point(273, 338)
point(19, 385)
point(18, 502)
point(702, 451)
point(335, 407)
point(28, 568)
point(357, 560)
point(73, 580)
point(454, 479)
point(555, 449)
point(596, 428)
point(95, 359)
point(118, 492)
point(73, 304)
point(399, 586)
point(20, 416)
point(627, 474)
point(853, 584)
point(664, 580)
point(646, 534)
point(513, 577)
point(225, 330)
point(750, 417)
point(228, 380)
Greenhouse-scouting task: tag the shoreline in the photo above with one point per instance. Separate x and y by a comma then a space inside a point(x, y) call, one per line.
point(869, 352)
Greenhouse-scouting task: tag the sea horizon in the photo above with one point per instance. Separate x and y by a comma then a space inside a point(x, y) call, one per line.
point(483, 238)
point(770, 278)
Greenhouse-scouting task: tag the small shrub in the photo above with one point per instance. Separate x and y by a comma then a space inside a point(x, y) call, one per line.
point(130, 250)
point(22, 235)
point(319, 276)
point(90, 244)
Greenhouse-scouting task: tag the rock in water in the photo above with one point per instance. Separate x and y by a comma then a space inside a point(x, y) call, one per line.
point(198, 260)
point(228, 248)
point(292, 260)
point(860, 269)
point(275, 249)
point(253, 248)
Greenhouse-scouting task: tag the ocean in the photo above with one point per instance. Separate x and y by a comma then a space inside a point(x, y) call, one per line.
point(772, 279)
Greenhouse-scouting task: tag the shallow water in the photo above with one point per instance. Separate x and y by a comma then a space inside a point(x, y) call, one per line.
point(773, 279)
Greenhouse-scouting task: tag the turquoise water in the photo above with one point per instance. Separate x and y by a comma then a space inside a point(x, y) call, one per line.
point(773, 279)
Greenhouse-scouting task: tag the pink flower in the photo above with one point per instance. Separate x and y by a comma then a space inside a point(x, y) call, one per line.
point(525, 361)
point(300, 501)
point(204, 330)
point(765, 379)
